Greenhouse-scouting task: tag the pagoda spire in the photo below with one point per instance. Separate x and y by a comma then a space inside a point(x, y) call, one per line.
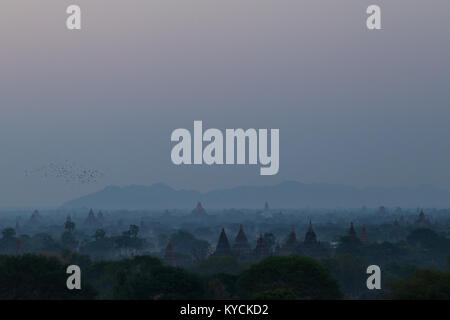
point(352, 232)
point(364, 235)
point(266, 213)
point(198, 211)
point(310, 236)
point(261, 250)
point(241, 245)
point(292, 238)
point(223, 245)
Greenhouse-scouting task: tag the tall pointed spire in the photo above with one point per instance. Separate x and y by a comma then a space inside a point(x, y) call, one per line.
point(352, 232)
point(292, 238)
point(223, 245)
point(261, 250)
point(266, 213)
point(310, 236)
point(422, 220)
point(91, 220)
point(241, 246)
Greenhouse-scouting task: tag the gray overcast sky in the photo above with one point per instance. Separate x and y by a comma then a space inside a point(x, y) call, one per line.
point(353, 106)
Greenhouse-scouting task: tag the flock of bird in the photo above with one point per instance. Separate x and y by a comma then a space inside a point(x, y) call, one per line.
point(69, 172)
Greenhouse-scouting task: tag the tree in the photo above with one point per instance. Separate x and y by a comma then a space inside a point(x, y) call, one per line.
point(349, 246)
point(134, 230)
point(129, 239)
point(162, 240)
point(68, 240)
point(145, 277)
point(33, 277)
point(292, 277)
point(8, 241)
point(427, 238)
point(219, 264)
point(99, 234)
point(69, 225)
point(8, 233)
point(423, 285)
point(185, 242)
point(269, 239)
point(448, 263)
point(44, 242)
point(221, 286)
point(350, 271)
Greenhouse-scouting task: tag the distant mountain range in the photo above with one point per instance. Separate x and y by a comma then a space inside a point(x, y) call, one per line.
point(289, 194)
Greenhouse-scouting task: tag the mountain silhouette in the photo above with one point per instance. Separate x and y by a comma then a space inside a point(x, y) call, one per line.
point(289, 194)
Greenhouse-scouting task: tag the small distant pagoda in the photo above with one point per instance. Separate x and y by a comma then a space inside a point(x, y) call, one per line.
point(291, 240)
point(382, 211)
point(169, 255)
point(352, 234)
point(241, 246)
point(422, 220)
point(35, 218)
point(310, 236)
point(100, 217)
point(311, 247)
point(91, 220)
point(261, 250)
point(198, 211)
point(223, 245)
point(266, 213)
point(364, 236)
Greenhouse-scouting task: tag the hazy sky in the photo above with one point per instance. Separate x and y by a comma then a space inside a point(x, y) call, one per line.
point(356, 107)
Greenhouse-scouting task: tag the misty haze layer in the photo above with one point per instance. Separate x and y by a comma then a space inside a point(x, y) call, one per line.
point(286, 195)
point(353, 106)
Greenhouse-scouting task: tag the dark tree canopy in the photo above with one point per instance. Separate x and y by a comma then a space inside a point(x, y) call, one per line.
point(423, 285)
point(292, 277)
point(146, 278)
point(33, 277)
point(428, 238)
point(8, 233)
point(187, 243)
